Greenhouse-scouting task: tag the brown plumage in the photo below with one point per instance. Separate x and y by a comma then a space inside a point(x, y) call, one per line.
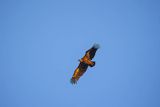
point(84, 63)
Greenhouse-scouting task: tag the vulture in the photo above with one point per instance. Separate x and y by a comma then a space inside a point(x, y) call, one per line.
point(84, 62)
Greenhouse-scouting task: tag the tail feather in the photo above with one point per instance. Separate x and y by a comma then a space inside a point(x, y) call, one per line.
point(93, 64)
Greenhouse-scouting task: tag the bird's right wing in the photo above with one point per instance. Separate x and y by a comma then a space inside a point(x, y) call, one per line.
point(80, 70)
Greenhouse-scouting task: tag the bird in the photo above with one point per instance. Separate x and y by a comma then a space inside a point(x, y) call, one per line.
point(84, 63)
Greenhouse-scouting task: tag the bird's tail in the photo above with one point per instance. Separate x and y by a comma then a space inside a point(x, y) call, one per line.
point(94, 63)
point(96, 46)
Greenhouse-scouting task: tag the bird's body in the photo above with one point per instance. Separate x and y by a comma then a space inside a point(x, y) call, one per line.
point(84, 63)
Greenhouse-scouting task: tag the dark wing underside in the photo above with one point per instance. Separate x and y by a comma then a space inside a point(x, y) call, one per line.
point(80, 70)
point(92, 51)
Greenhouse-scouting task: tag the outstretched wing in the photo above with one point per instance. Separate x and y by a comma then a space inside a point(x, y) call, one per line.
point(92, 51)
point(80, 70)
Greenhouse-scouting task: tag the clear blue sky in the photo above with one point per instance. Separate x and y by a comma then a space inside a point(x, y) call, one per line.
point(42, 40)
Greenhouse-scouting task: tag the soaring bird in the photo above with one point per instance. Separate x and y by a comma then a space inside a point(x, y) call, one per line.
point(85, 61)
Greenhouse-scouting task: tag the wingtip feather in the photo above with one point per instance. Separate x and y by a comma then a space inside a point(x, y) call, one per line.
point(96, 46)
point(73, 81)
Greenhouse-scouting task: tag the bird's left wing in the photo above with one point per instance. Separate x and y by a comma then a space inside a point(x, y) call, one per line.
point(92, 51)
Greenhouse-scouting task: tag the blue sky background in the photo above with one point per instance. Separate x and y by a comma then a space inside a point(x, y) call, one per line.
point(42, 40)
